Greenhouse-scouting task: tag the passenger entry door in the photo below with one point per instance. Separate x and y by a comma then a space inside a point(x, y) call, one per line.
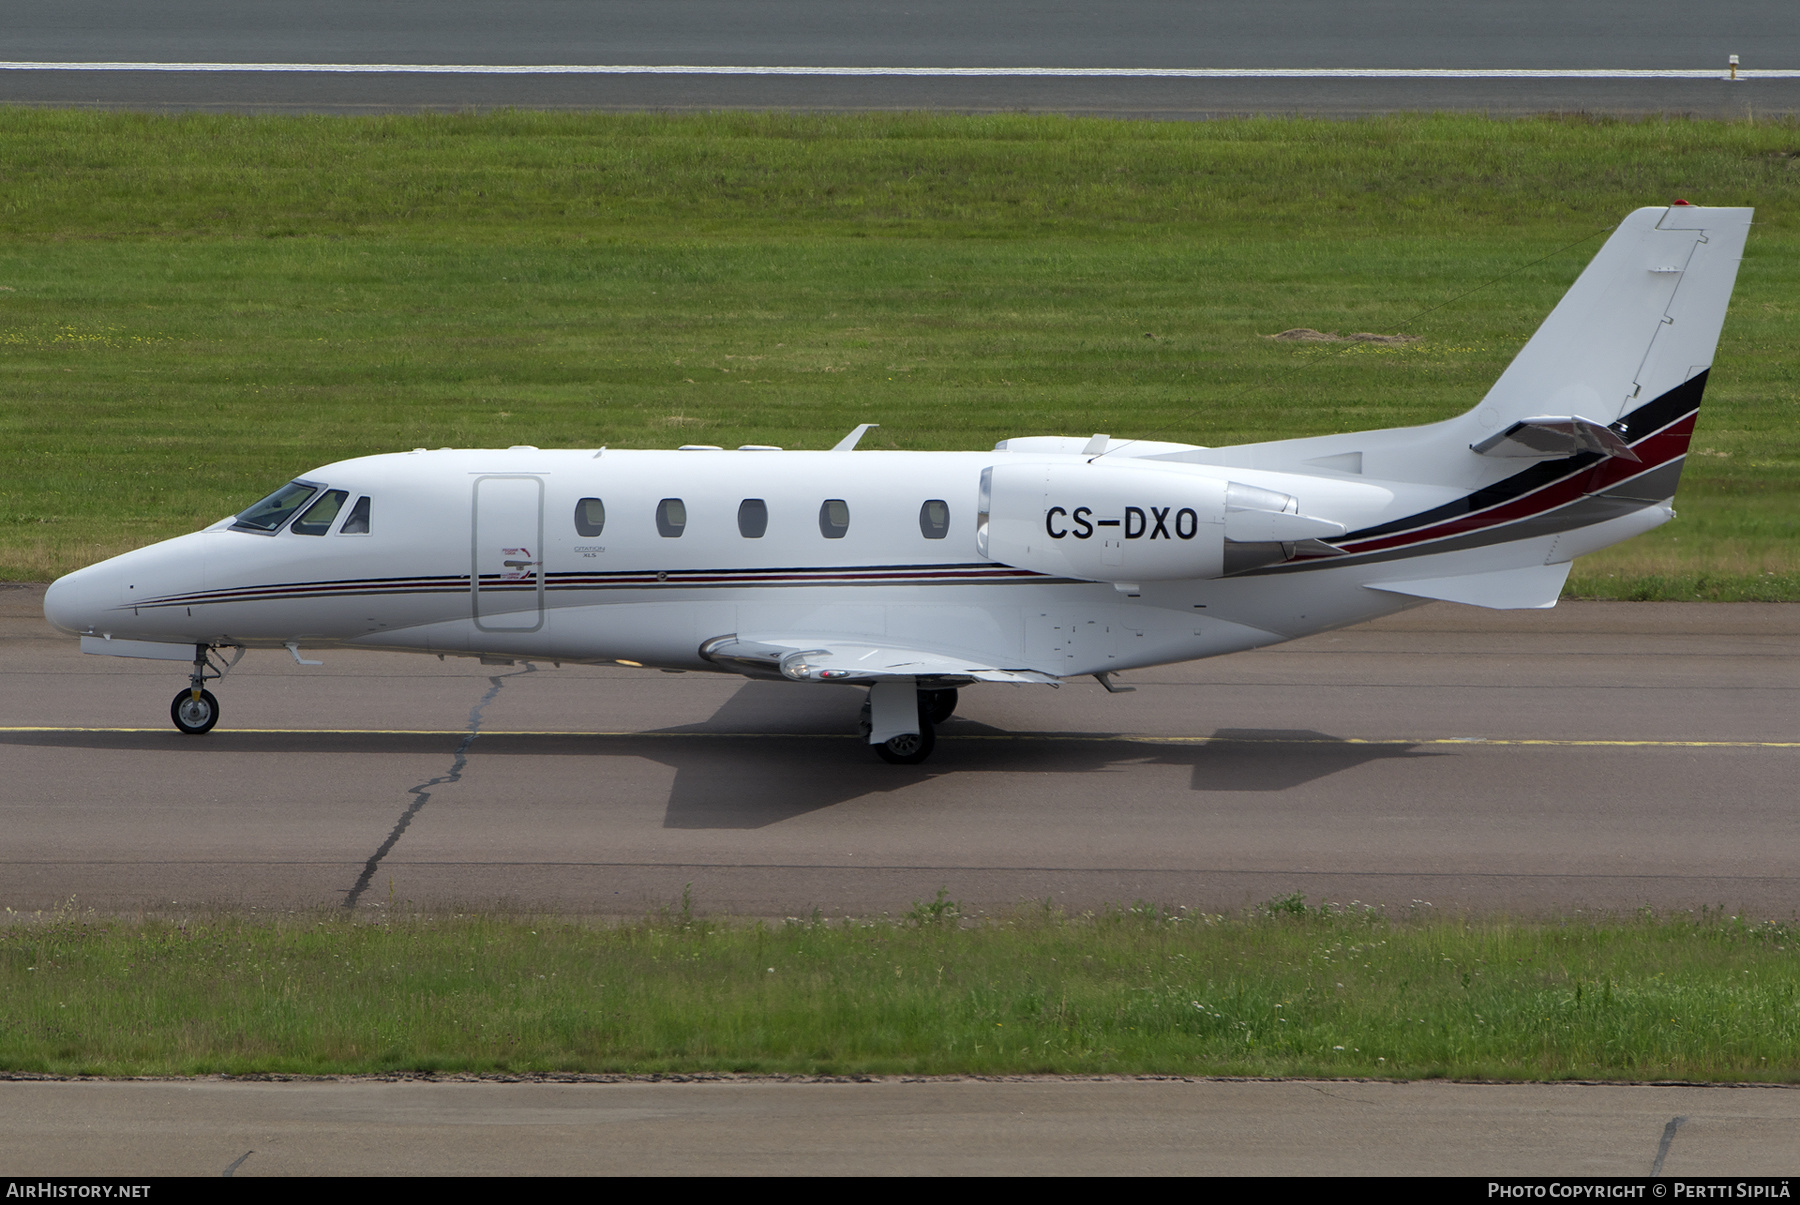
point(507, 580)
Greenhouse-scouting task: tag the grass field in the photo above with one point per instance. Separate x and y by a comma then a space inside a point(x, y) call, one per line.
point(195, 308)
point(1285, 990)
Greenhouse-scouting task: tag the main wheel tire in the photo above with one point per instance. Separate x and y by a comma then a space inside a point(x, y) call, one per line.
point(194, 716)
point(909, 748)
point(936, 706)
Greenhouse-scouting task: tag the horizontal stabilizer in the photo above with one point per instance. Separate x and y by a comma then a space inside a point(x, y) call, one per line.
point(1534, 586)
point(804, 660)
point(1550, 436)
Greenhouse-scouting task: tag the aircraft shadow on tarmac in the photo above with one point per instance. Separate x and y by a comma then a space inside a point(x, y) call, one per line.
point(763, 781)
point(756, 780)
point(772, 753)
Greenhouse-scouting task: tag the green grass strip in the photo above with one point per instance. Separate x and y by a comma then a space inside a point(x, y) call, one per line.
point(194, 308)
point(1285, 990)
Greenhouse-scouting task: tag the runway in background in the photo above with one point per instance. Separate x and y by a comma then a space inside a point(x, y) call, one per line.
point(1303, 35)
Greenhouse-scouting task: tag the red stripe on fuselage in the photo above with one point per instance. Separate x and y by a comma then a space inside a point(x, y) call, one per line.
point(1653, 451)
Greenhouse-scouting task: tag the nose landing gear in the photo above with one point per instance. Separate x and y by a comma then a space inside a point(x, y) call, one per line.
point(195, 710)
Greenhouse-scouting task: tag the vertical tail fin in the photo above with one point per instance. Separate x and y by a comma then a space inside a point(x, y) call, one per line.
point(1627, 348)
point(1642, 320)
point(1581, 441)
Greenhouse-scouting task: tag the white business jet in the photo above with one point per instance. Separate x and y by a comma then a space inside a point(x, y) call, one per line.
point(916, 573)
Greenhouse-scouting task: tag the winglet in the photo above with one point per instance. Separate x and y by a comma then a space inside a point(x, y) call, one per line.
point(848, 443)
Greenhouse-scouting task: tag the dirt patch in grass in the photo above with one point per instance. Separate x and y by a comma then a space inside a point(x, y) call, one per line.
point(1305, 334)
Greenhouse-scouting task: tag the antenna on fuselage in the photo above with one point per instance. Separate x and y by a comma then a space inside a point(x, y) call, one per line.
point(848, 443)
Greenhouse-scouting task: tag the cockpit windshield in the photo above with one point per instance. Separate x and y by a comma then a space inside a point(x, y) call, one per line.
point(319, 516)
point(269, 514)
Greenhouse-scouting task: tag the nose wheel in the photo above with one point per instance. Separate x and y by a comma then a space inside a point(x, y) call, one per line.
point(194, 711)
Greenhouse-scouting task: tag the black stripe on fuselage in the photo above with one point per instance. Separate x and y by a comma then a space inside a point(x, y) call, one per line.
point(984, 573)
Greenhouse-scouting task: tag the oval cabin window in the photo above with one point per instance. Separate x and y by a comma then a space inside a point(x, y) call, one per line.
point(834, 518)
point(753, 518)
point(671, 518)
point(590, 517)
point(934, 519)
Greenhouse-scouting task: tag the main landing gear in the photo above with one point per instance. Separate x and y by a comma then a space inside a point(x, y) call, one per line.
point(195, 710)
point(889, 698)
point(936, 706)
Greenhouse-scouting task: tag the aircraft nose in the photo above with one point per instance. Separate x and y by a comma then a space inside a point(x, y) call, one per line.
point(99, 597)
point(73, 603)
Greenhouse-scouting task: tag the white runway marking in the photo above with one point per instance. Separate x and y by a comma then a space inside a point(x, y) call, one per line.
point(1573, 73)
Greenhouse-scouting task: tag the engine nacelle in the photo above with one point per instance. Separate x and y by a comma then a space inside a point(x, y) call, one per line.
point(1102, 523)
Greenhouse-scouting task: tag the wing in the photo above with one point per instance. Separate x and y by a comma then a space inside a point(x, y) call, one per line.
point(799, 659)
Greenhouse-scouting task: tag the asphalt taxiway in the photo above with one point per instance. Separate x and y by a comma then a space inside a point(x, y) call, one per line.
point(1604, 756)
point(1016, 1126)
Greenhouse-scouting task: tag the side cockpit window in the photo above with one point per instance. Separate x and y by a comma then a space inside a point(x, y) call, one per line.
point(320, 515)
point(268, 515)
point(358, 522)
point(590, 517)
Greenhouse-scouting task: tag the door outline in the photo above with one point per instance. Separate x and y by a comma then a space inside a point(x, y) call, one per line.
point(475, 556)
